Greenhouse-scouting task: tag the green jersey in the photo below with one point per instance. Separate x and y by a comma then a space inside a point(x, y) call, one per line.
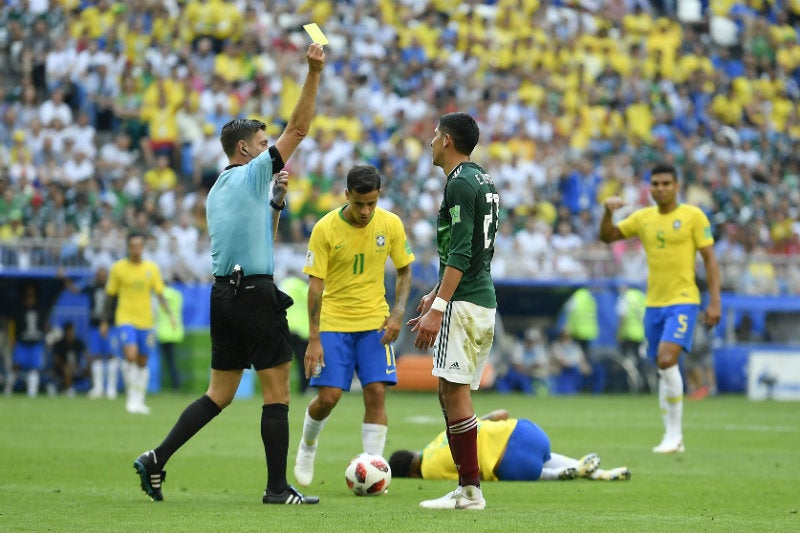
point(465, 233)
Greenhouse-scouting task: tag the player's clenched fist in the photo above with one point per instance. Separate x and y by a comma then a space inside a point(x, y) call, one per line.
point(614, 202)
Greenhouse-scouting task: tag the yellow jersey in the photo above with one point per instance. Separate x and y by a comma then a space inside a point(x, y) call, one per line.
point(352, 260)
point(493, 435)
point(133, 284)
point(671, 242)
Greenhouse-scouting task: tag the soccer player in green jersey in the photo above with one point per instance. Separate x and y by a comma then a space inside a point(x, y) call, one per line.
point(672, 233)
point(457, 317)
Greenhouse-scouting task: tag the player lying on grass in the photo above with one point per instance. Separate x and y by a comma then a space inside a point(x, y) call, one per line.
point(509, 449)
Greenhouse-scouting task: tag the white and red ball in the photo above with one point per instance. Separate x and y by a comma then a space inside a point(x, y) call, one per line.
point(368, 475)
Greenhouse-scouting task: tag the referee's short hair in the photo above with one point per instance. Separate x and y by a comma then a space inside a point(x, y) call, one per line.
point(240, 129)
point(363, 179)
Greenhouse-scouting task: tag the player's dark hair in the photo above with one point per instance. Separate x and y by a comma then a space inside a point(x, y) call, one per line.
point(240, 129)
point(133, 235)
point(665, 168)
point(463, 129)
point(363, 179)
point(400, 463)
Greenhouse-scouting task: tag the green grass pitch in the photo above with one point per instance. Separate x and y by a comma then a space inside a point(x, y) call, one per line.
point(66, 466)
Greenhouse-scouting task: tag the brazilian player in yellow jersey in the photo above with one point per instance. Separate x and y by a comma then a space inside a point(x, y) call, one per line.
point(350, 326)
point(672, 234)
point(132, 281)
point(509, 449)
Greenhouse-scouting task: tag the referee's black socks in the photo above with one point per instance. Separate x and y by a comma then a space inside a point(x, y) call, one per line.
point(196, 415)
point(275, 435)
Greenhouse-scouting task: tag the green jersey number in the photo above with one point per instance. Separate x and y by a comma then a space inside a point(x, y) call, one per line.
point(492, 219)
point(358, 264)
point(662, 242)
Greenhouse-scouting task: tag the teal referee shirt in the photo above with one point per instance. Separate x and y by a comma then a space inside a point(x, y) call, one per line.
point(240, 218)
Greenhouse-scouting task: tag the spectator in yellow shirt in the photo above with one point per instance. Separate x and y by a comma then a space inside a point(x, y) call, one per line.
point(199, 16)
point(162, 177)
point(727, 108)
point(97, 19)
point(162, 128)
point(637, 25)
point(228, 21)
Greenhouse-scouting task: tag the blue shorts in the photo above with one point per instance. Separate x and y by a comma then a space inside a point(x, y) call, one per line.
point(527, 450)
point(361, 352)
point(29, 355)
point(144, 339)
point(674, 323)
point(99, 346)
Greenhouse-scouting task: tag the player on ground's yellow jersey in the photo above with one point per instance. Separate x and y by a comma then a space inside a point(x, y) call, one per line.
point(509, 449)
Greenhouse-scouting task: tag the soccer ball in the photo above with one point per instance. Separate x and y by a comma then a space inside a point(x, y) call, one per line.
point(368, 475)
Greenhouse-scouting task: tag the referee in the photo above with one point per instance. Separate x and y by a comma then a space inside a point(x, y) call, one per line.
point(248, 312)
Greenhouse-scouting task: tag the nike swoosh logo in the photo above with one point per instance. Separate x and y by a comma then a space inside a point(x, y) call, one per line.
point(391, 371)
point(339, 246)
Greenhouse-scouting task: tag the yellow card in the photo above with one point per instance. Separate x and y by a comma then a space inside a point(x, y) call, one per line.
point(315, 33)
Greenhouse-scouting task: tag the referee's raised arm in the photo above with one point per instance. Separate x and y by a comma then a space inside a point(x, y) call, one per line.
point(300, 119)
point(248, 312)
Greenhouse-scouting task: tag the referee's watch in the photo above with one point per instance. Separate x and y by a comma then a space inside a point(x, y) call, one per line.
point(277, 207)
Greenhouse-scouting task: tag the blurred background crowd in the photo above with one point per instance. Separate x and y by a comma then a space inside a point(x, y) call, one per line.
point(110, 114)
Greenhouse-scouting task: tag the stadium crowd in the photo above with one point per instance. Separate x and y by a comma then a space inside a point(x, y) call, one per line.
point(110, 114)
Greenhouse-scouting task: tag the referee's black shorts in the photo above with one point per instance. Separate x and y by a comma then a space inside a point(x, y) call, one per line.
point(249, 327)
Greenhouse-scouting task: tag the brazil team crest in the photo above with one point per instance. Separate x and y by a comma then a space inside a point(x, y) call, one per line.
point(380, 240)
point(676, 225)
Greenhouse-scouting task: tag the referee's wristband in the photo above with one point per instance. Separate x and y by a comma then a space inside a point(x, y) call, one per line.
point(277, 207)
point(439, 304)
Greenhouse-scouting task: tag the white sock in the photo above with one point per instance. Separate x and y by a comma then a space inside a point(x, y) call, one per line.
point(550, 474)
point(673, 396)
point(311, 429)
point(32, 380)
point(373, 438)
point(97, 376)
point(112, 375)
point(134, 385)
point(552, 469)
point(662, 399)
point(128, 373)
point(143, 381)
point(559, 462)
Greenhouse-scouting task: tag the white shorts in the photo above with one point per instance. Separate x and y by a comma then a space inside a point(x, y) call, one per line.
point(464, 342)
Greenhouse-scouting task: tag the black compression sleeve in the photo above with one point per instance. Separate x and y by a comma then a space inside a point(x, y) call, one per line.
point(277, 160)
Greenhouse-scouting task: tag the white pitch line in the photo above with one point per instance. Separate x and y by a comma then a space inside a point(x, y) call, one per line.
point(779, 429)
point(422, 419)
